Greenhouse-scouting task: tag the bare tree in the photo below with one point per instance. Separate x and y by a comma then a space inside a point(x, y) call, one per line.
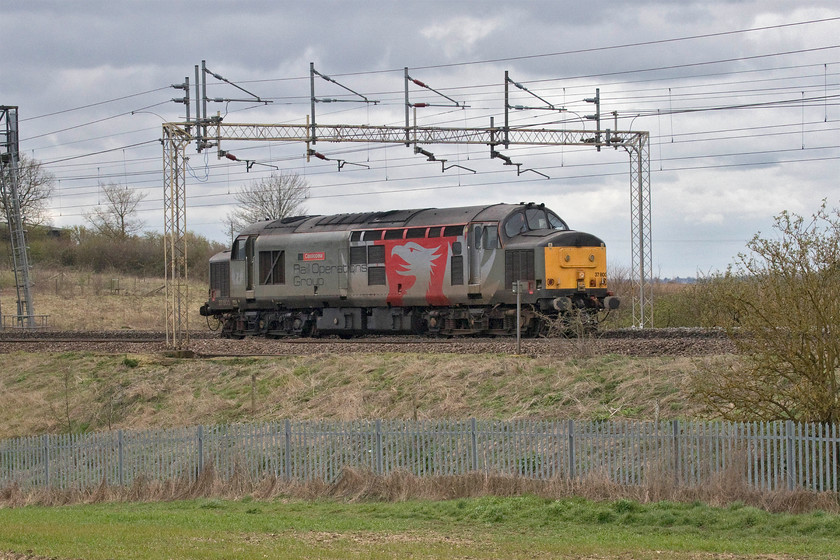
point(780, 306)
point(35, 186)
point(116, 218)
point(277, 196)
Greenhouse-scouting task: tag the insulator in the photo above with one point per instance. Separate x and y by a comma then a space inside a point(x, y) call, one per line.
point(419, 83)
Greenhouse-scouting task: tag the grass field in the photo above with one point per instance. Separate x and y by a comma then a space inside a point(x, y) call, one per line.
point(75, 300)
point(520, 527)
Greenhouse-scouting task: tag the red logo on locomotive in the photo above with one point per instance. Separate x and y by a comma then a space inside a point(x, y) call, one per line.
point(318, 256)
point(417, 267)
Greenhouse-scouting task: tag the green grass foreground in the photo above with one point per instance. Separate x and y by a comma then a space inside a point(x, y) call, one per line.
point(490, 527)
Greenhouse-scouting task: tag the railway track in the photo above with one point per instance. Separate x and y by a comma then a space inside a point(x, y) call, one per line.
point(208, 344)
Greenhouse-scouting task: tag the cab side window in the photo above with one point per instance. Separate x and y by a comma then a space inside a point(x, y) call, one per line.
point(490, 238)
point(555, 222)
point(237, 253)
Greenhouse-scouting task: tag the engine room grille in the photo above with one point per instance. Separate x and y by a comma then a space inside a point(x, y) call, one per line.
point(519, 265)
point(220, 278)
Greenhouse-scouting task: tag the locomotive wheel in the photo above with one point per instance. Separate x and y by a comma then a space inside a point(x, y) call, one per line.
point(271, 331)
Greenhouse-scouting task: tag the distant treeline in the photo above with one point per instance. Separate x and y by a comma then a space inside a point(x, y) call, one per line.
point(80, 248)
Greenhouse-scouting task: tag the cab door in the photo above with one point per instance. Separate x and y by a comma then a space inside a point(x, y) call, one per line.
point(238, 268)
point(475, 248)
point(250, 264)
point(482, 243)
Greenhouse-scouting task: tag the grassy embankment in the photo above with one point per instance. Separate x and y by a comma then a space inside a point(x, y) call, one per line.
point(75, 392)
point(82, 392)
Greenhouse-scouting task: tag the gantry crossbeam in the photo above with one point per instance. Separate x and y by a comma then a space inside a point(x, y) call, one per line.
point(415, 134)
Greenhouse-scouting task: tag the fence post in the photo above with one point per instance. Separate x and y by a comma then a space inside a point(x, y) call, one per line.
point(287, 448)
point(379, 459)
point(46, 445)
point(571, 448)
point(200, 450)
point(120, 457)
point(675, 444)
point(474, 436)
point(791, 467)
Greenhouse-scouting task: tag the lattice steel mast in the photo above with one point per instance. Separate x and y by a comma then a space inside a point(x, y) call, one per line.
point(9, 160)
point(175, 141)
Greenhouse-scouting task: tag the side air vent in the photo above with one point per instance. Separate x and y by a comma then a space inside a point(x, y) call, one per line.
point(519, 265)
point(220, 278)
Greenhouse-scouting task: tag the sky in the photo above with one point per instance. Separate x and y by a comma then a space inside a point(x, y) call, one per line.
point(740, 98)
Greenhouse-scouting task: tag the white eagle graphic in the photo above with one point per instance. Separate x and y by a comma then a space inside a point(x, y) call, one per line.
point(419, 262)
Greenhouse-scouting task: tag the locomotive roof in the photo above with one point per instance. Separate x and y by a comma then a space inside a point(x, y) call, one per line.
point(387, 219)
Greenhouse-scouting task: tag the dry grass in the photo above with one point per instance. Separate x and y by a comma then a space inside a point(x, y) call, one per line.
point(58, 393)
point(88, 301)
point(357, 485)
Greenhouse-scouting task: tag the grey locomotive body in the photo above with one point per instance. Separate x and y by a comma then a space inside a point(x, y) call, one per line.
point(448, 271)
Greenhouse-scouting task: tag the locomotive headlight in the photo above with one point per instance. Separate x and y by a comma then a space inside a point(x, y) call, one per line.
point(581, 275)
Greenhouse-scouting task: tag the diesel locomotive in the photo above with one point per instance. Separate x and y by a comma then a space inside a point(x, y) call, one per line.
point(446, 271)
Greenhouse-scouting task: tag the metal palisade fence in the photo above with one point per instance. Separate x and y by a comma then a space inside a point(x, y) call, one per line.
point(767, 456)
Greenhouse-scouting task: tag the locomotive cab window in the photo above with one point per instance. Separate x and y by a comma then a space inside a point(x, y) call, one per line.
point(515, 225)
point(540, 218)
point(555, 222)
point(237, 253)
point(536, 218)
point(533, 219)
point(490, 238)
